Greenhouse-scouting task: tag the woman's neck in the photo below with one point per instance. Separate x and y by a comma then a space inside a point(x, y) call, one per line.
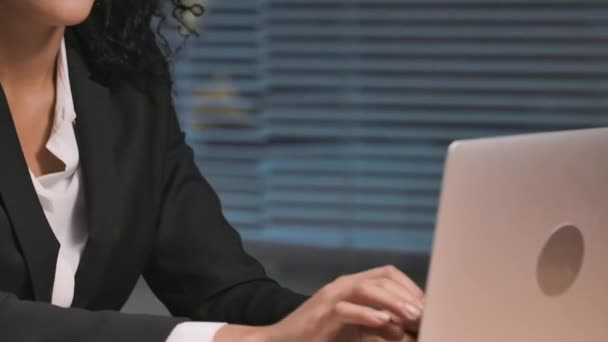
point(28, 52)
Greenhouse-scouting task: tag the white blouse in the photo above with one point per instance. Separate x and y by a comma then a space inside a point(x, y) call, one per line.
point(61, 197)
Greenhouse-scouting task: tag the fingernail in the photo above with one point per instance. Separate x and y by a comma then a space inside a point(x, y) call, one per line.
point(397, 320)
point(412, 311)
point(381, 315)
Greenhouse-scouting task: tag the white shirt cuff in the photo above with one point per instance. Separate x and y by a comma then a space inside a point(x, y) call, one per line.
point(195, 332)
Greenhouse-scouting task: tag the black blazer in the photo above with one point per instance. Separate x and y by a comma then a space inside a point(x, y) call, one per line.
point(149, 212)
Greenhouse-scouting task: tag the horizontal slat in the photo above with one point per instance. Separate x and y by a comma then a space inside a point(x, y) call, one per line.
point(302, 182)
point(487, 85)
point(311, 219)
point(348, 199)
point(351, 149)
point(437, 119)
point(372, 166)
point(437, 4)
point(389, 132)
point(516, 49)
point(295, 15)
point(434, 65)
point(434, 32)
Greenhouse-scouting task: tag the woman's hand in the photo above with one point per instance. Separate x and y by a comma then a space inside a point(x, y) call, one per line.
point(377, 305)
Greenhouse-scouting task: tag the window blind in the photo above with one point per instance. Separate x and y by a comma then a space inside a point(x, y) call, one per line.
point(326, 122)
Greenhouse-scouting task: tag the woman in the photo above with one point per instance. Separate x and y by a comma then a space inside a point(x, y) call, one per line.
point(97, 187)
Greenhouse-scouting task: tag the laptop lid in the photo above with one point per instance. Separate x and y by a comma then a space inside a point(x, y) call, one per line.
point(521, 243)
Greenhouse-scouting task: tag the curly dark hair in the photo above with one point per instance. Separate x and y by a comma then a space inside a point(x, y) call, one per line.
point(118, 39)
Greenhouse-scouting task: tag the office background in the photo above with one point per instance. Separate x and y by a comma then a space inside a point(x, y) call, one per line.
point(323, 124)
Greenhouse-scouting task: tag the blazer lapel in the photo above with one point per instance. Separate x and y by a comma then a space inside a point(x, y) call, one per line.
point(35, 237)
point(95, 135)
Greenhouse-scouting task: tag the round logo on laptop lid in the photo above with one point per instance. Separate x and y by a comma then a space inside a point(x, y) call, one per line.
point(561, 260)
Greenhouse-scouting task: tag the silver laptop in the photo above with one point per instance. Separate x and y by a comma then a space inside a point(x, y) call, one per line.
point(521, 245)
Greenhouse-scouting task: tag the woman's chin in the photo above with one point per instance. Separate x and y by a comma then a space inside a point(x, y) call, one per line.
point(72, 20)
point(50, 12)
point(69, 12)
